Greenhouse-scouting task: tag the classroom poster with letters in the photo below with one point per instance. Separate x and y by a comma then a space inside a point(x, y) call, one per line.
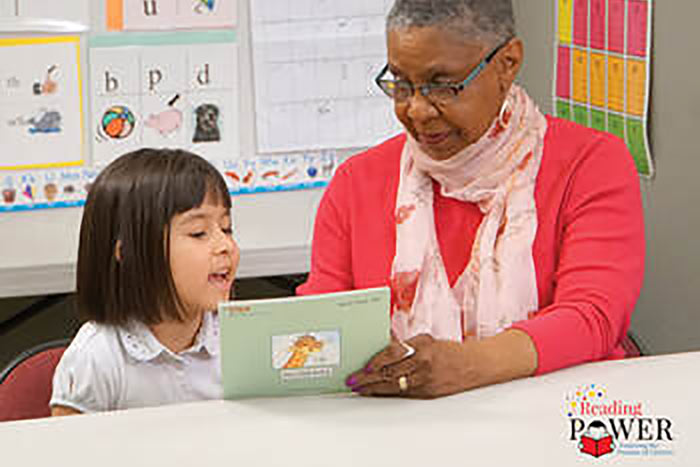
point(41, 103)
point(124, 15)
point(176, 90)
point(603, 69)
point(314, 65)
point(165, 76)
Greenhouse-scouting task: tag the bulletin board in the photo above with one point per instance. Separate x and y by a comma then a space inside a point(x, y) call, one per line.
point(124, 74)
point(603, 69)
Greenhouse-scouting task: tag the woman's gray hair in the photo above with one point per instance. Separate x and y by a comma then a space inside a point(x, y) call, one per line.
point(489, 21)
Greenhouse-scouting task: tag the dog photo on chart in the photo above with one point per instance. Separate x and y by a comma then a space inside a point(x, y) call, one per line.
point(206, 124)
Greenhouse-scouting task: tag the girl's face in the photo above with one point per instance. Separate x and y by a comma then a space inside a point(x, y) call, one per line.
point(203, 256)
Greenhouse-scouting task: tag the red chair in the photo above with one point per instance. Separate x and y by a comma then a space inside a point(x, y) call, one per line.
point(632, 348)
point(26, 383)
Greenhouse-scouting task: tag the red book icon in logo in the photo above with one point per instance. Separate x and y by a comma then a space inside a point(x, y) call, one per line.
point(596, 441)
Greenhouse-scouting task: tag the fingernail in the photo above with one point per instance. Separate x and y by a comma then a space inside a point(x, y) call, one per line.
point(351, 381)
point(368, 369)
point(356, 390)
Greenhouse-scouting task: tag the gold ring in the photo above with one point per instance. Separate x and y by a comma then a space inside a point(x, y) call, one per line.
point(403, 384)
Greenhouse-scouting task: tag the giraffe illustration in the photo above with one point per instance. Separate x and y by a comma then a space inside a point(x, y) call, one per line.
point(302, 348)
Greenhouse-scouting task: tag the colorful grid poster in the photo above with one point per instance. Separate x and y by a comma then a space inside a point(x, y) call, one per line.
point(602, 69)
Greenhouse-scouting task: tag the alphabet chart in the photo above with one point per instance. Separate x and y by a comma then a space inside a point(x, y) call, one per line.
point(315, 63)
point(175, 90)
point(602, 69)
point(166, 73)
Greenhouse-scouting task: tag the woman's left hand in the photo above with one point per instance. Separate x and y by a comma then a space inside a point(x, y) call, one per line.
point(437, 368)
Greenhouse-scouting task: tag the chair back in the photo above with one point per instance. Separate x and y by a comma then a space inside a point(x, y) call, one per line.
point(632, 348)
point(26, 382)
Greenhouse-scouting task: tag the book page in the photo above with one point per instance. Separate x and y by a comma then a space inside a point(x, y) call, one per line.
point(300, 345)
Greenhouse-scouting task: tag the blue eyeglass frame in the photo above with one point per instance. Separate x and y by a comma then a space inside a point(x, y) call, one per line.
point(425, 89)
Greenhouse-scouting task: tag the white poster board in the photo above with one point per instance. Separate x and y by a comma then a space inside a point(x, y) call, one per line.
point(315, 63)
point(41, 103)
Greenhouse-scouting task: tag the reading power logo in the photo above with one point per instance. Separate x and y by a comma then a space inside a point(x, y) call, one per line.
point(601, 426)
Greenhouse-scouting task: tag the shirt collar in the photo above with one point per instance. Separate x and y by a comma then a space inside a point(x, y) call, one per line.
point(142, 345)
point(208, 336)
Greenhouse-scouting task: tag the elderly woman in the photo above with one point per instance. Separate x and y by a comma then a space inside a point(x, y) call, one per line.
point(513, 242)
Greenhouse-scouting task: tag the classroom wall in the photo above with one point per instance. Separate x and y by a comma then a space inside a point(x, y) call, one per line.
point(274, 228)
point(666, 318)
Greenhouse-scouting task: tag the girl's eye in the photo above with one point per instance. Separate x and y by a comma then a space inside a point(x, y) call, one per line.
point(197, 234)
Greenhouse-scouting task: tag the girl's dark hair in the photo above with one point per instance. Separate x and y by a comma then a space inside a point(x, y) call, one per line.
point(123, 258)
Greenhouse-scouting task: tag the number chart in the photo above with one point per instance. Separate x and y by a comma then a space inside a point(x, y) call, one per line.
point(602, 69)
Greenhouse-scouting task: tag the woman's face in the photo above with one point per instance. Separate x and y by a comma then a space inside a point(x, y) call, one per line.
point(423, 55)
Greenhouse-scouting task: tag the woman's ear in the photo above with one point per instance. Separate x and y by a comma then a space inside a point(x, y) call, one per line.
point(510, 61)
point(118, 251)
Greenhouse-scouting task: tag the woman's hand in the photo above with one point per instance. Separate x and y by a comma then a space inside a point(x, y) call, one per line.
point(440, 368)
point(437, 368)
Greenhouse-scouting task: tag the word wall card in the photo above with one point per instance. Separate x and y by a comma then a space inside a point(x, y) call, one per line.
point(41, 103)
point(602, 69)
point(125, 15)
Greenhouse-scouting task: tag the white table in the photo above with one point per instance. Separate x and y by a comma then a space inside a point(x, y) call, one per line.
point(514, 424)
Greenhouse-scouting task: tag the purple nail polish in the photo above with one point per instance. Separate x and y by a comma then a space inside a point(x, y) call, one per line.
point(368, 369)
point(356, 390)
point(351, 381)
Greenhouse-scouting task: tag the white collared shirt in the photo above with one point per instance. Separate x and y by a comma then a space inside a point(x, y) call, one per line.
point(112, 368)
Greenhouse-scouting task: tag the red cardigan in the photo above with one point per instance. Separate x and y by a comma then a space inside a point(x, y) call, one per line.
point(588, 251)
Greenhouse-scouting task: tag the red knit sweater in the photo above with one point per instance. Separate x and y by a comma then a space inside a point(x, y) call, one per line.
point(588, 251)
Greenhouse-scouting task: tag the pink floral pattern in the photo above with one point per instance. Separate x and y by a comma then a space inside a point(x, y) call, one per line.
point(499, 128)
point(493, 291)
point(404, 212)
point(403, 290)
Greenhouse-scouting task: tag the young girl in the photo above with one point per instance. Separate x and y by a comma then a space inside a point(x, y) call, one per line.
point(156, 256)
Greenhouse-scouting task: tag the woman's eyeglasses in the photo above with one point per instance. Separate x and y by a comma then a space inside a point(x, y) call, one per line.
point(439, 94)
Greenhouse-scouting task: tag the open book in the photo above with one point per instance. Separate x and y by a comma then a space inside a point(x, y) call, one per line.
point(300, 345)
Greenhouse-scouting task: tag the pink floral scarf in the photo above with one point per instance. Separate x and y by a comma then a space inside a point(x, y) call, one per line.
point(498, 287)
